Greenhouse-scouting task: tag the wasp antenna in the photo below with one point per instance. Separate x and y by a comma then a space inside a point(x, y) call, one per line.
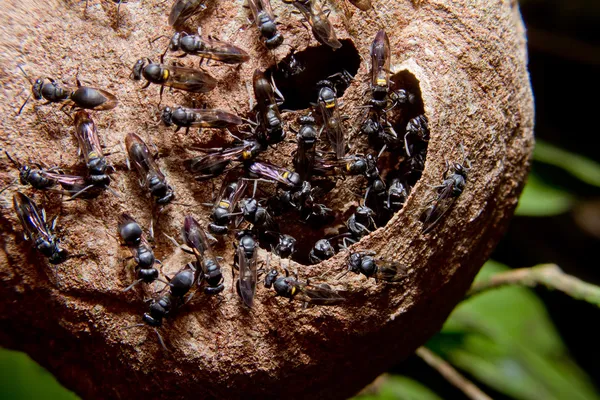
point(23, 106)
point(161, 341)
point(128, 288)
point(133, 326)
point(25, 73)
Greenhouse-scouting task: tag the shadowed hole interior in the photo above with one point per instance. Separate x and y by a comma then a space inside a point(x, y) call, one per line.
point(296, 76)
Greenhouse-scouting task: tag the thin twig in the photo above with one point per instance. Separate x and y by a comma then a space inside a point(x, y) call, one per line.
point(549, 275)
point(451, 374)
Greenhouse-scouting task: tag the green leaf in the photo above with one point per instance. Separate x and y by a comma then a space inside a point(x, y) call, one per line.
point(577, 165)
point(22, 378)
point(505, 339)
point(396, 387)
point(541, 200)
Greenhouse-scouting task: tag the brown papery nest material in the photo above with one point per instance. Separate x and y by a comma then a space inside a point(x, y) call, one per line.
point(469, 60)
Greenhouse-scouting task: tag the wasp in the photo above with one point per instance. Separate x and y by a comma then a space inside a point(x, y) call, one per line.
point(274, 173)
point(380, 270)
point(286, 246)
point(306, 137)
point(245, 262)
point(291, 288)
point(37, 229)
point(356, 164)
point(188, 79)
point(164, 304)
point(184, 9)
point(151, 176)
point(81, 97)
point(265, 20)
point(196, 239)
point(321, 251)
point(316, 16)
point(452, 186)
point(331, 116)
point(360, 224)
point(199, 118)
point(397, 194)
point(225, 205)
point(380, 70)
point(215, 162)
point(209, 48)
point(48, 179)
point(135, 239)
point(417, 128)
point(257, 215)
point(269, 119)
point(90, 148)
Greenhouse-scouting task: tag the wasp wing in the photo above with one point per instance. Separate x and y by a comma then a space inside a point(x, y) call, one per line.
point(31, 218)
point(224, 52)
point(390, 271)
point(182, 10)
point(248, 276)
point(142, 160)
point(214, 118)
point(439, 207)
point(333, 128)
point(189, 79)
point(321, 295)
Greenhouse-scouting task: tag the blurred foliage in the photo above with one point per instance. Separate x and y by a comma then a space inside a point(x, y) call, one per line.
point(22, 378)
point(541, 198)
point(393, 387)
point(505, 340)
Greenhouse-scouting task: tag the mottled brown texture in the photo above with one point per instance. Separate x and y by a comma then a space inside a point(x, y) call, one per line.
point(470, 60)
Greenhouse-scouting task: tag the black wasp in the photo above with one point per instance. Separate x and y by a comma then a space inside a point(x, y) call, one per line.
point(225, 205)
point(196, 239)
point(182, 78)
point(37, 229)
point(199, 118)
point(291, 288)
point(316, 16)
point(164, 304)
point(380, 270)
point(151, 176)
point(321, 251)
point(306, 137)
point(447, 193)
point(286, 246)
point(259, 216)
point(331, 117)
point(91, 149)
point(355, 164)
point(135, 239)
point(245, 262)
point(265, 20)
point(216, 161)
point(270, 123)
point(81, 97)
point(183, 9)
point(360, 224)
point(209, 48)
point(380, 70)
point(397, 193)
point(49, 179)
point(274, 173)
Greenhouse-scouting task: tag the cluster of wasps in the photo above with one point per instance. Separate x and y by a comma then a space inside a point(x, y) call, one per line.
point(320, 160)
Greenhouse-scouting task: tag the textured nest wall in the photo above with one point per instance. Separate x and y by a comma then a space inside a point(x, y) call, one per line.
point(469, 59)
